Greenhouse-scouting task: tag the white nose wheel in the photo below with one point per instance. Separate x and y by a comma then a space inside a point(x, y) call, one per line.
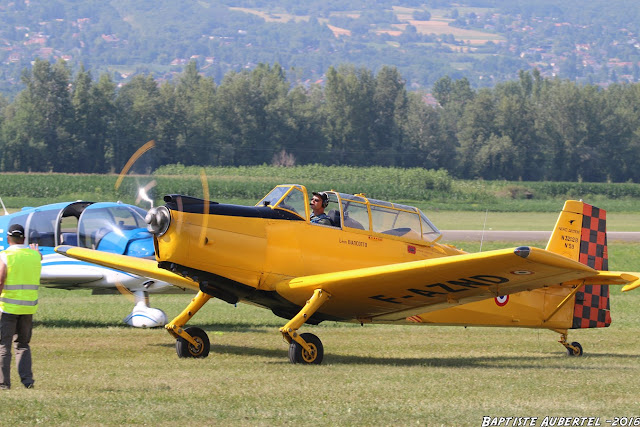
point(143, 316)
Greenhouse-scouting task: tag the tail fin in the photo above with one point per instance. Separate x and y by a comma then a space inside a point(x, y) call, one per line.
point(580, 234)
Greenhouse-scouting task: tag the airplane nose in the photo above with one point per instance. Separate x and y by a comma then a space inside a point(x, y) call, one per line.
point(158, 220)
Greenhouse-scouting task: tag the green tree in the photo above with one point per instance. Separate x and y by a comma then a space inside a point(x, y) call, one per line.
point(424, 143)
point(497, 158)
point(102, 119)
point(477, 126)
point(138, 110)
point(186, 132)
point(571, 132)
point(389, 110)
point(78, 158)
point(349, 114)
point(306, 142)
point(515, 119)
point(37, 137)
point(453, 96)
point(252, 115)
point(621, 125)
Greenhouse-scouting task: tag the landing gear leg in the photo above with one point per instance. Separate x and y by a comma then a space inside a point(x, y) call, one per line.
point(306, 348)
point(573, 349)
point(190, 342)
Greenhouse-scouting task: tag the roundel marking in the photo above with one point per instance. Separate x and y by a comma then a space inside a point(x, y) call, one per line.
point(502, 300)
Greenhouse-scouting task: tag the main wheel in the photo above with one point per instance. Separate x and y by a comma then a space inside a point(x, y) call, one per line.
point(297, 354)
point(577, 352)
point(185, 349)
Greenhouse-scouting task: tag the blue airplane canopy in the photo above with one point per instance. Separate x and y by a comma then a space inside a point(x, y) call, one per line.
point(107, 226)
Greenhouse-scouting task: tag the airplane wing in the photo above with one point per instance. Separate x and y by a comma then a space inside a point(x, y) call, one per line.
point(68, 277)
point(61, 271)
point(393, 292)
point(140, 266)
point(396, 291)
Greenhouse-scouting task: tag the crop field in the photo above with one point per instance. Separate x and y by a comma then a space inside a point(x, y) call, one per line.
point(92, 370)
point(430, 190)
point(439, 24)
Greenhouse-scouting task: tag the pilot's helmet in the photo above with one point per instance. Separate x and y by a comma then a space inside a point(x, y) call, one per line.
point(323, 196)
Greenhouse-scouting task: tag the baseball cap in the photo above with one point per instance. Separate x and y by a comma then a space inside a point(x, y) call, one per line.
point(16, 230)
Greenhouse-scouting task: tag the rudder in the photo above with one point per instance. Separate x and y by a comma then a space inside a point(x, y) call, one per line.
point(580, 234)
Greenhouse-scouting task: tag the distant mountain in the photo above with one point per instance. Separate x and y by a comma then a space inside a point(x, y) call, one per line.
point(486, 41)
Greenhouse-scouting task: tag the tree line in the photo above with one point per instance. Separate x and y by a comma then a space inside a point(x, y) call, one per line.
point(530, 129)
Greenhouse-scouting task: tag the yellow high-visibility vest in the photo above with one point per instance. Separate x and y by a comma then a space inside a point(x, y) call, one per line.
point(20, 292)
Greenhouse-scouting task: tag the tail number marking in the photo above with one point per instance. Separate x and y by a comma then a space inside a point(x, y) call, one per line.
point(439, 289)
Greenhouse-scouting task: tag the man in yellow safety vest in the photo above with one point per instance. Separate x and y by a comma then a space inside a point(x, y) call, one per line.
point(19, 282)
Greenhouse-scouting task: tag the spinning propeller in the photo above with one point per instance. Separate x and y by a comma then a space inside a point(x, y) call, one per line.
point(158, 220)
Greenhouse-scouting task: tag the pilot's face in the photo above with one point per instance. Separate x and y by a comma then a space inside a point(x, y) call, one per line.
point(316, 203)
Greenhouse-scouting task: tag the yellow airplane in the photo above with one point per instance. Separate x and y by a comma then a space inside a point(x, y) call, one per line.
point(376, 262)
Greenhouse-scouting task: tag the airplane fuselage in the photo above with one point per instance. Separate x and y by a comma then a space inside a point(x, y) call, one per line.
point(240, 253)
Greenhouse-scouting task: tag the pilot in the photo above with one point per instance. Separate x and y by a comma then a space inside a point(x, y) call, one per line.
point(19, 282)
point(319, 201)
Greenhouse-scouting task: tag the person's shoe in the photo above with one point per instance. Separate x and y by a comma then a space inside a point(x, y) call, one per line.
point(4, 387)
point(28, 385)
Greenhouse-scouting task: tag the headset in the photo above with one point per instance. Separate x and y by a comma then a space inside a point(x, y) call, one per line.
point(323, 196)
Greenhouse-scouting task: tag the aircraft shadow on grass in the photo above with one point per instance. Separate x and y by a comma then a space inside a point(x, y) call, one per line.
point(510, 362)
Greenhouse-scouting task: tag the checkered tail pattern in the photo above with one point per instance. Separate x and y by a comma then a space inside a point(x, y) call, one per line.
point(591, 308)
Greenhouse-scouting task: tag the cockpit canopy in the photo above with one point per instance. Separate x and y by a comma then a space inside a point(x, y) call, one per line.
point(357, 212)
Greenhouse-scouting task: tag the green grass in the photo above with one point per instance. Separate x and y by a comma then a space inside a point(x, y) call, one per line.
point(91, 370)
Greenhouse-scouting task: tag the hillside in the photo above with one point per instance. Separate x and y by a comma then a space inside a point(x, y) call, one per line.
point(487, 41)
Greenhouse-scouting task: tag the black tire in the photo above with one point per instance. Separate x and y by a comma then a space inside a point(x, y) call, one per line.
point(577, 353)
point(185, 349)
point(297, 354)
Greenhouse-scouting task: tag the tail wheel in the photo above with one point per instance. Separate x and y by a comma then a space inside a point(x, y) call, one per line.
point(297, 354)
point(577, 351)
point(185, 349)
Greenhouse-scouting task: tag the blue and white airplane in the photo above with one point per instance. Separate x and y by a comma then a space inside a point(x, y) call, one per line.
point(111, 227)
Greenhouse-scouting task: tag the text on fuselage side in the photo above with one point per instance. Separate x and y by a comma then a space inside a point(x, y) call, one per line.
point(352, 242)
point(569, 230)
point(570, 242)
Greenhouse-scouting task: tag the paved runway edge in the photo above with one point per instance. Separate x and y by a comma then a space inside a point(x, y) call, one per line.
point(525, 236)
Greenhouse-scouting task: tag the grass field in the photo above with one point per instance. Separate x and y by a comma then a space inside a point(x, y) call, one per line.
point(91, 370)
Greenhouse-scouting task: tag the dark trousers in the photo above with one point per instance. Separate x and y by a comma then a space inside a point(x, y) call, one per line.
point(15, 328)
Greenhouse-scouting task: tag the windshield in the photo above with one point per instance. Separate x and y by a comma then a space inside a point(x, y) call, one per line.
point(291, 198)
point(274, 195)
